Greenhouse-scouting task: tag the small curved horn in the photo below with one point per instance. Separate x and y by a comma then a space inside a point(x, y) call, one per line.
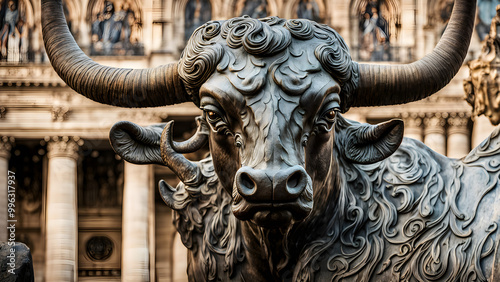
point(198, 140)
point(397, 84)
point(131, 88)
point(188, 172)
point(167, 193)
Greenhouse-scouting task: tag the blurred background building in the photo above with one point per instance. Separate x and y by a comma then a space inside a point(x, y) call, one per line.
point(89, 216)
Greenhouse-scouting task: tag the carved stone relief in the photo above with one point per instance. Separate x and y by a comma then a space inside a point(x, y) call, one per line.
point(116, 27)
point(99, 248)
point(14, 31)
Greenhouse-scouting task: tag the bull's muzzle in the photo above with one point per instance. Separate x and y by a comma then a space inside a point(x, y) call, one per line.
point(261, 186)
point(272, 197)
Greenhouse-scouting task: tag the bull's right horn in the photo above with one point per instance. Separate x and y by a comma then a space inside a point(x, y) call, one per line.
point(397, 84)
point(131, 88)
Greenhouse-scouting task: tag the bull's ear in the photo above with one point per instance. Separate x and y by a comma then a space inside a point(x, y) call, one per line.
point(137, 144)
point(365, 143)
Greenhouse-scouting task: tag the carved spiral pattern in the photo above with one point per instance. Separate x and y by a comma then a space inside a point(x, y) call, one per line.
point(207, 47)
point(257, 37)
point(337, 61)
point(300, 29)
point(200, 57)
point(210, 30)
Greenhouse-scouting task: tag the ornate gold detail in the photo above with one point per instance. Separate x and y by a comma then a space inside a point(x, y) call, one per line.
point(63, 146)
point(482, 87)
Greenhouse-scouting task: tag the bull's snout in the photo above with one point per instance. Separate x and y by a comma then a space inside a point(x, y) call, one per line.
point(285, 185)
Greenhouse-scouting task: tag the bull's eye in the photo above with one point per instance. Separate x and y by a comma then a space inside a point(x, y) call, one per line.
point(216, 120)
point(330, 115)
point(213, 116)
point(326, 120)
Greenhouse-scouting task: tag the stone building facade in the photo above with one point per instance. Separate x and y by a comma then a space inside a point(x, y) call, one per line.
point(89, 216)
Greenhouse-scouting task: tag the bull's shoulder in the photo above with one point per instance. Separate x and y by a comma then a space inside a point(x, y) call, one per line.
point(416, 215)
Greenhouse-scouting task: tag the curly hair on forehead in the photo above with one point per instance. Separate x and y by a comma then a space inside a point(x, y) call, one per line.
point(263, 38)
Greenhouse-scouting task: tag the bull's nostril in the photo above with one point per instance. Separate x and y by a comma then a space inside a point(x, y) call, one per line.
point(247, 182)
point(253, 185)
point(294, 180)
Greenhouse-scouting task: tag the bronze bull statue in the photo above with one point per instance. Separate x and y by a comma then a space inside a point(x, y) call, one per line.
point(292, 190)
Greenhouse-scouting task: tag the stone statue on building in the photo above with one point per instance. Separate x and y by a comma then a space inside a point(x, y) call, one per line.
point(13, 33)
point(374, 36)
point(114, 30)
point(482, 88)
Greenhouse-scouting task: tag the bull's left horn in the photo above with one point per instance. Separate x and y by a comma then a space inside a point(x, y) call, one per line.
point(397, 84)
point(188, 172)
point(196, 142)
point(131, 88)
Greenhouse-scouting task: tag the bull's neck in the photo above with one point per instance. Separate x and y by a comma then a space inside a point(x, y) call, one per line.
point(325, 211)
point(268, 248)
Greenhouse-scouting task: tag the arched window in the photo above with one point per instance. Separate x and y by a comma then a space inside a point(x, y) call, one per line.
point(116, 28)
point(14, 31)
point(197, 13)
point(377, 20)
point(253, 8)
point(309, 9)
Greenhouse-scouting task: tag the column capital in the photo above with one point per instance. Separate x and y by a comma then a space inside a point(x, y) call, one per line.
point(63, 146)
point(5, 146)
point(458, 122)
point(434, 123)
point(413, 120)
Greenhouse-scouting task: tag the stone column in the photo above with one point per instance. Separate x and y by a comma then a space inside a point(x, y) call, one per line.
point(5, 146)
point(62, 217)
point(135, 228)
point(458, 135)
point(435, 132)
point(414, 127)
point(180, 260)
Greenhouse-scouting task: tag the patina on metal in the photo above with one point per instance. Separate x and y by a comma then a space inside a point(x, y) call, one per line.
point(292, 190)
point(482, 87)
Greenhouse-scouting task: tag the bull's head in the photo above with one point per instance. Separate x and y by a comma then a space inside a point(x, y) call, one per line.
point(271, 92)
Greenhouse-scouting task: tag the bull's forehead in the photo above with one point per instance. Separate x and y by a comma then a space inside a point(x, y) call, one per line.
point(295, 75)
